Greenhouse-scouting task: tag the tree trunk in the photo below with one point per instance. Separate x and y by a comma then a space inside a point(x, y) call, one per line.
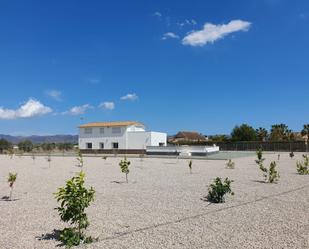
point(11, 193)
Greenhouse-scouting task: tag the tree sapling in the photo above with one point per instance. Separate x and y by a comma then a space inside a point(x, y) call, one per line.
point(124, 166)
point(303, 166)
point(11, 180)
point(230, 164)
point(190, 166)
point(218, 189)
point(74, 198)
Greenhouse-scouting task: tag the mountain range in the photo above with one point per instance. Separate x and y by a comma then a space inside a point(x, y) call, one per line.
point(42, 139)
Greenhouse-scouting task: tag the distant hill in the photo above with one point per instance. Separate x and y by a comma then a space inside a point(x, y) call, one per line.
point(42, 139)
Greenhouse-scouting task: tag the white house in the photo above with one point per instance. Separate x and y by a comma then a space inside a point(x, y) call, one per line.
point(124, 135)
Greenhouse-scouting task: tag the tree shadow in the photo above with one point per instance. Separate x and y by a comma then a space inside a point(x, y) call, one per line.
point(7, 198)
point(259, 181)
point(55, 235)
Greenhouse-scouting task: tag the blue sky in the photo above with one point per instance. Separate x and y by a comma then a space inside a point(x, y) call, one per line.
point(202, 65)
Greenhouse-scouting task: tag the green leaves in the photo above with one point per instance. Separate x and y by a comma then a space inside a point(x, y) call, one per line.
point(218, 189)
point(124, 166)
point(12, 178)
point(303, 166)
point(74, 198)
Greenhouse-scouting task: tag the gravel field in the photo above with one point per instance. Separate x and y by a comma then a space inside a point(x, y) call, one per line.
point(161, 206)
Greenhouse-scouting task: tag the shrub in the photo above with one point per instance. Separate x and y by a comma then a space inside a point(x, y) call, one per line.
point(230, 164)
point(104, 157)
point(11, 180)
point(190, 166)
point(259, 154)
point(303, 167)
point(74, 198)
point(124, 166)
point(291, 154)
point(218, 189)
point(271, 175)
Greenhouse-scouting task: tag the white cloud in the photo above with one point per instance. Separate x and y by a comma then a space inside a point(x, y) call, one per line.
point(78, 110)
point(170, 35)
point(211, 32)
point(158, 14)
point(29, 109)
point(107, 105)
point(129, 96)
point(56, 95)
point(187, 22)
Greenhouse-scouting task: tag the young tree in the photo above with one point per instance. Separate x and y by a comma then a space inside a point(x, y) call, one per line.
point(303, 166)
point(259, 154)
point(243, 133)
point(11, 180)
point(218, 189)
point(48, 159)
point(230, 164)
point(124, 166)
point(80, 158)
point(271, 175)
point(74, 198)
point(190, 166)
point(291, 154)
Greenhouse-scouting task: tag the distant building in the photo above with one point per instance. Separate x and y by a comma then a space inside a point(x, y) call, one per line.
point(124, 135)
point(188, 136)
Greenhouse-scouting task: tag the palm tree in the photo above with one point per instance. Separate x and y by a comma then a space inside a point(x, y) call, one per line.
point(261, 134)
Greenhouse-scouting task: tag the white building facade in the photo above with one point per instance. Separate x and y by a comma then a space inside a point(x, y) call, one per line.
point(125, 135)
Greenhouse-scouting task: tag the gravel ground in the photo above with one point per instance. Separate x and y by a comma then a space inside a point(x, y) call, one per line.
point(161, 206)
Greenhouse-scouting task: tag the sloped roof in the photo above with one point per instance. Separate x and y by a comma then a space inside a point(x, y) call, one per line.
point(111, 124)
point(189, 135)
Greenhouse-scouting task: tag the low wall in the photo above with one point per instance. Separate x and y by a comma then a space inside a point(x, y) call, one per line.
point(115, 152)
point(182, 150)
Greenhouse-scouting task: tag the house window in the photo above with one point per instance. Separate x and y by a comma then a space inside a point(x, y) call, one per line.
point(101, 130)
point(115, 145)
point(89, 146)
point(101, 146)
point(116, 130)
point(88, 130)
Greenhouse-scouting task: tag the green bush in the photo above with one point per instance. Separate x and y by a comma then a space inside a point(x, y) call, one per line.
point(218, 189)
point(124, 166)
point(74, 198)
point(230, 164)
point(271, 175)
point(303, 167)
point(11, 180)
